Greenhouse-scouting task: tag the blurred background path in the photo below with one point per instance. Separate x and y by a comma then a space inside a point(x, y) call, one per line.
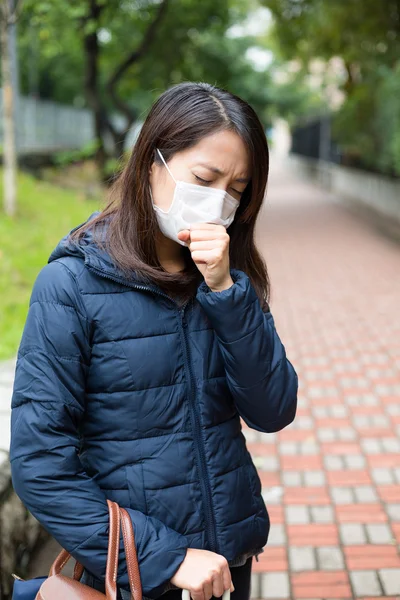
point(331, 479)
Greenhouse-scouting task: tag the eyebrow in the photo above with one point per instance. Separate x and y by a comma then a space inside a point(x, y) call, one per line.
point(219, 172)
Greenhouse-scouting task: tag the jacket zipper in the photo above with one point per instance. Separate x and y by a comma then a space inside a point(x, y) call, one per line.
point(195, 419)
point(201, 459)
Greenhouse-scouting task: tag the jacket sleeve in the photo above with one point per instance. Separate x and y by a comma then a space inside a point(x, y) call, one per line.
point(48, 405)
point(261, 379)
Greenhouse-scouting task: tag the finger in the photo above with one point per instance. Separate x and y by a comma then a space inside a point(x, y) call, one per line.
point(207, 256)
point(184, 235)
point(208, 590)
point(227, 579)
point(218, 232)
point(218, 586)
point(198, 594)
point(205, 226)
point(207, 245)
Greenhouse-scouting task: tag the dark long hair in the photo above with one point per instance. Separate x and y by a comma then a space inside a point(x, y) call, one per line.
point(178, 120)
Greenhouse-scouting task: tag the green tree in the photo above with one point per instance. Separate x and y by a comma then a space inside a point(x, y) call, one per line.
point(123, 53)
point(366, 35)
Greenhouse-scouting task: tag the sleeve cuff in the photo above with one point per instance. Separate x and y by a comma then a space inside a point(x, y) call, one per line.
point(234, 312)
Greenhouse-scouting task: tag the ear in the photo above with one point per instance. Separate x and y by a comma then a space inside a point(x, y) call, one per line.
point(153, 169)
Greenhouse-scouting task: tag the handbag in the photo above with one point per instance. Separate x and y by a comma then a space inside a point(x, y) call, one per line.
point(60, 587)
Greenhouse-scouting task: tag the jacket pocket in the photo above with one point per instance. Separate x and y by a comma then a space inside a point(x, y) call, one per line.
point(135, 482)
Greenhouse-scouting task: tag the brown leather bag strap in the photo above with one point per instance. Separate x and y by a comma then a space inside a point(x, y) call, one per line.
point(59, 563)
point(131, 555)
point(113, 551)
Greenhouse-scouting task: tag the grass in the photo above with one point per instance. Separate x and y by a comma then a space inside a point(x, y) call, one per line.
point(45, 214)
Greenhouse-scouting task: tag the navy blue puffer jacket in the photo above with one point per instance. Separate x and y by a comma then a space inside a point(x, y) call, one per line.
point(121, 394)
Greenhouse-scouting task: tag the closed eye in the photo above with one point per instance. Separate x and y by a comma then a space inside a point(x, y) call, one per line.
point(201, 180)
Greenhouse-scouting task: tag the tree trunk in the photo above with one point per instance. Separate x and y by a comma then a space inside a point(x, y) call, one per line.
point(92, 50)
point(9, 142)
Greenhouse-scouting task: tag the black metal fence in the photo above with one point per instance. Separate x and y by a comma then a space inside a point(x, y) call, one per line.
point(313, 139)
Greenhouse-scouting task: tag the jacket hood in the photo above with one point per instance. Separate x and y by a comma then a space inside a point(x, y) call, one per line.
point(87, 249)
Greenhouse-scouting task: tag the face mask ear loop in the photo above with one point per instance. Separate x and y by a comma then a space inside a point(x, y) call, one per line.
point(165, 164)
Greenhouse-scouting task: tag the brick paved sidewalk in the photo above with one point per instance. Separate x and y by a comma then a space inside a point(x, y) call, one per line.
point(332, 479)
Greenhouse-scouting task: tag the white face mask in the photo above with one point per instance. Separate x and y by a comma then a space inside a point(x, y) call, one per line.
point(194, 204)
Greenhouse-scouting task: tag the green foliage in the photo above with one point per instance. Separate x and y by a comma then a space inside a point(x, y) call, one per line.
point(45, 214)
point(365, 35)
point(67, 157)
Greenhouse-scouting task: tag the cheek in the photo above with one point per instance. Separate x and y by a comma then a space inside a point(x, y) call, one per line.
point(162, 192)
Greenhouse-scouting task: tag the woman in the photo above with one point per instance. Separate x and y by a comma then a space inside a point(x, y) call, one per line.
point(148, 336)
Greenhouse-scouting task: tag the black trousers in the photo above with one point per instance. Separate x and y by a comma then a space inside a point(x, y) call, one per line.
point(241, 578)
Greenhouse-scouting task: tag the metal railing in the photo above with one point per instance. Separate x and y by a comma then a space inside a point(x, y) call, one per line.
point(45, 125)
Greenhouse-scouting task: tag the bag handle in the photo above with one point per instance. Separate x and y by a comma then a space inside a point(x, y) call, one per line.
point(117, 515)
point(131, 555)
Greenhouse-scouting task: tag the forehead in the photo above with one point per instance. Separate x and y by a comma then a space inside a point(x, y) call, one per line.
point(224, 150)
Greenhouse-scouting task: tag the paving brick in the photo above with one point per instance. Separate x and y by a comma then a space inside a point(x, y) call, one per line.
point(390, 580)
point(379, 533)
point(259, 449)
point(326, 435)
point(297, 515)
point(267, 438)
point(330, 558)
point(371, 446)
point(291, 478)
point(288, 448)
point(306, 495)
point(309, 448)
point(270, 463)
point(352, 533)
point(276, 514)
point(342, 495)
point(302, 559)
point(360, 513)
point(313, 534)
point(322, 514)
point(275, 585)
point(320, 412)
point(277, 535)
point(338, 411)
point(333, 463)
point(255, 586)
point(272, 495)
point(301, 463)
point(365, 583)
point(340, 448)
point(343, 478)
point(347, 434)
point(393, 511)
point(382, 475)
point(391, 445)
point(383, 460)
point(250, 434)
point(365, 493)
point(389, 493)
point(321, 584)
point(272, 559)
point(371, 557)
point(356, 461)
point(314, 478)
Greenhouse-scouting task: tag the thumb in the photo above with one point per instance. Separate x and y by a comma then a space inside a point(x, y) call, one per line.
point(184, 235)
